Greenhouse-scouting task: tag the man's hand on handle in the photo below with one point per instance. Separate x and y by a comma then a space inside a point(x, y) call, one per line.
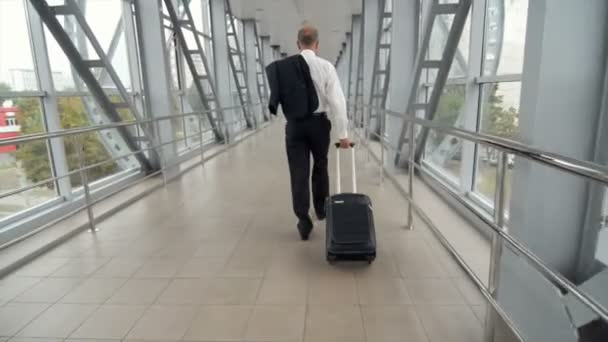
point(345, 143)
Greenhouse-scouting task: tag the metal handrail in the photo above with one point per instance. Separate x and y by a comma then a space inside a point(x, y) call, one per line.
point(78, 131)
point(575, 166)
point(89, 201)
point(583, 169)
point(89, 129)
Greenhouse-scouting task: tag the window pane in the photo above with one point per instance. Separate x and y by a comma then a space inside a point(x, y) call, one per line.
point(103, 18)
point(98, 146)
point(500, 117)
point(441, 28)
point(16, 63)
point(444, 151)
point(24, 164)
point(505, 36)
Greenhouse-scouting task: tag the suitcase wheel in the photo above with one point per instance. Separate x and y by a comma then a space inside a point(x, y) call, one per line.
point(370, 259)
point(331, 258)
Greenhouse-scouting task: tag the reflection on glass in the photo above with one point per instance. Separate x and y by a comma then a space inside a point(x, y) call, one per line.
point(499, 117)
point(441, 150)
point(505, 34)
point(24, 164)
point(16, 63)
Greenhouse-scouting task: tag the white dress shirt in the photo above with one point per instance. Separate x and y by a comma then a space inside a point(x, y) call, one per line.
point(329, 91)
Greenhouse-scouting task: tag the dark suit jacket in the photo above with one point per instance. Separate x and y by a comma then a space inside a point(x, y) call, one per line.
point(291, 86)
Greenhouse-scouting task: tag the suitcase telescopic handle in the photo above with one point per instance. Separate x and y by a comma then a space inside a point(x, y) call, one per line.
point(353, 168)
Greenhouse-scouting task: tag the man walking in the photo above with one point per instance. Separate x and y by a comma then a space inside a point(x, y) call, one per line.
point(308, 89)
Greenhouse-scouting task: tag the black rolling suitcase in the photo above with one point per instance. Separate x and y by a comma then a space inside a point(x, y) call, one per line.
point(350, 232)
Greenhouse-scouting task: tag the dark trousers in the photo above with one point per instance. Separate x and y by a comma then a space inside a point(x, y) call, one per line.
point(303, 138)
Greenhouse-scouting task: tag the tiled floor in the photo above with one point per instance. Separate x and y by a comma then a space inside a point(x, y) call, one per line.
point(215, 257)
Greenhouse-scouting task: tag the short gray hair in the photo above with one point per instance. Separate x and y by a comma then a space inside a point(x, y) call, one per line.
point(308, 35)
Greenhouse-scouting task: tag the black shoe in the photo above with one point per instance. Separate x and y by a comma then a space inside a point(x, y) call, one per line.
point(321, 216)
point(305, 227)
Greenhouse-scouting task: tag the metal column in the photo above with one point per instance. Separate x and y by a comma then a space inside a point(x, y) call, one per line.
point(221, 67)
point(237, 63)
point(155, 73)
point(49, 102)
point(372, 12)
point(251, 68)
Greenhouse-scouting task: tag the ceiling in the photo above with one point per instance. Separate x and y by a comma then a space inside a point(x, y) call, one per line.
point(281, 20)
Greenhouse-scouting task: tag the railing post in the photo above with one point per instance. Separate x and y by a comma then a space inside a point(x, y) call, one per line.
point(497, 242)
point(411, 170)
point(382, 117)
point(200, 130)
point(161, 153)
point(84, 179)
point(367, 132)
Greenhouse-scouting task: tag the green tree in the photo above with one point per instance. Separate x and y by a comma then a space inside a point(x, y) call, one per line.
point(498, 120)
point(449, 108)
point(34, 156)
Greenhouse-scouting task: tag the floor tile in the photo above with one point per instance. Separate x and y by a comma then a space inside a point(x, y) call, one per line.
point(42, 267)
point(382, 291)
point(235, 256)
point(184, 291)
point(212, 248)
point(276, 323)
point(246, 266)
point(451, 322)
point(180, 249)
point(480, 312)
point(49, 290)
point(392, 324)
point(333, 290)
point(139, 291)
point(470, 292)
point(383, 267)
point(232, 291)
point(219, 323)
point(292, 290)
point(80, 267)
point(109, 322)
point(202, 267)
point(33, 339)
point(13, 286)
point(119, 268)
point(434, 291)
point(415, 264)
point(287, 266)
point(334, 323)
point(59, 321)
point(163, 323)
point(93, 291)
point(160, 268)
point(14, 316)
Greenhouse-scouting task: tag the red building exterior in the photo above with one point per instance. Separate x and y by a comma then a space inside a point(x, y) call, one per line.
point(9, 127)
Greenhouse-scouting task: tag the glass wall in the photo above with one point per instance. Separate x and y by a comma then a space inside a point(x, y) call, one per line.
point(490, 105)
point(24, 168)
point(41, 91)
